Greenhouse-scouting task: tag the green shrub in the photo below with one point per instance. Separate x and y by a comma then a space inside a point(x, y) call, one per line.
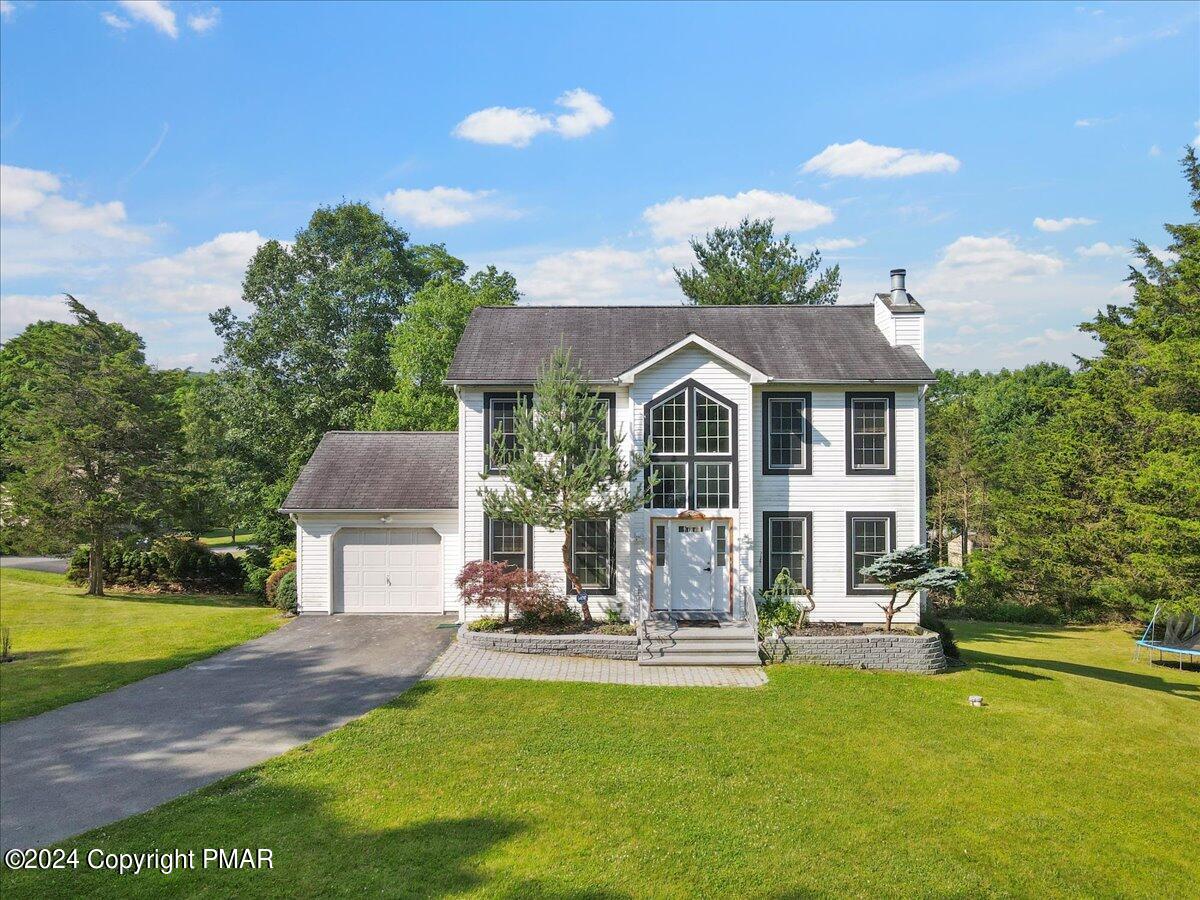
point(256, 580)
point(284, 556)
point(777, 605)
point(285, 593)
point(272, 584)
point(172, 563)
point(945, 633)
point(1005, 611)
point(256, 558)
point(485, 623)
point(612, 616)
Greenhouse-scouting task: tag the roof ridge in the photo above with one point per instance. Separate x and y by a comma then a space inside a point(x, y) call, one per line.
point(342, 431)
point(665, 306)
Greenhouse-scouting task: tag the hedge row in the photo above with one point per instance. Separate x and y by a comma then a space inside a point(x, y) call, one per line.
point(172, 563)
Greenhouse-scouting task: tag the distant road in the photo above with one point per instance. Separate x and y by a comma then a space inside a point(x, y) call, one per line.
point(56, 564)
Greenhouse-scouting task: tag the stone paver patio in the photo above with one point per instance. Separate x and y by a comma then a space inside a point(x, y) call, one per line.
point(461, 661)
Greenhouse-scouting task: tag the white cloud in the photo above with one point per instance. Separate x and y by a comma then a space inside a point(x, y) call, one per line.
point(33, 196)
point(518, 126)
point(202, 278)
point(503, 125)
point(1099, 249)
point(444, 207)
point(112, 20)
point(6, 9)
point(859, 159)
point(1094, 122)
point(830, 245)
point(1154, 150)
point(972, 260)
point(680, 218)
point(204, 22)
point(46, 231)
point(1055, 225)
point(587, 114)
point(24, 190)
point(602, 275)
point(155, 13)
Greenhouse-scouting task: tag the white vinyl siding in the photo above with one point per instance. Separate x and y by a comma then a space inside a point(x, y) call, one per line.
point(316, 544)
point(829, 493)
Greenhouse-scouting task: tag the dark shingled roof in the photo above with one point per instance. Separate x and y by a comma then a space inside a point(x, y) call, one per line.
point(788, 343)
point(379, 470)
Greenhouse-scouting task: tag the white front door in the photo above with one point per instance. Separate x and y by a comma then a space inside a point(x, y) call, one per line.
point(390, 570)
point(694, 573)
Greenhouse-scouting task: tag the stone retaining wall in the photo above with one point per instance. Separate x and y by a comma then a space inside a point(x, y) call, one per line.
point(602, 646)
point(899, 652)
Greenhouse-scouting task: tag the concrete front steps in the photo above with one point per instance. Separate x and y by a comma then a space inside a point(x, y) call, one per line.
point(680, 643)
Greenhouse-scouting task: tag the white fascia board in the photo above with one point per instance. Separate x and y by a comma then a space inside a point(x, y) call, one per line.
point(689, 340)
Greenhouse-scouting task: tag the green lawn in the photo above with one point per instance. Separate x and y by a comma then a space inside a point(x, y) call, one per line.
point(223, 537)
point(70, 647)
point(1078, 778)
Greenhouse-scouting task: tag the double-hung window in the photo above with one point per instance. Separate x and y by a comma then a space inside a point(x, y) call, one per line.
point(693, 436)
point(870, 433)
point(787, 433)
point(869, 535)
point(592, 555)
point(500, 427)
point(787, 537)
point(508, 542)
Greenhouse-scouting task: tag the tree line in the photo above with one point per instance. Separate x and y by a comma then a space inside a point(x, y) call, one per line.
point(1080, 488)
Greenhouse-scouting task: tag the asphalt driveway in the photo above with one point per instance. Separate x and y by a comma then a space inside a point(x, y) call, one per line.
point(55, 564)
point(93, 762)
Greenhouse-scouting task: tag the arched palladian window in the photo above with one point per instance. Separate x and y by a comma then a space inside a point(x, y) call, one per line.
point(693, 433)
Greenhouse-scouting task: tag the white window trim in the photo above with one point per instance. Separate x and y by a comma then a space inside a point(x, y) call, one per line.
point(887, 436)
point(806, 412)
point(729, 420)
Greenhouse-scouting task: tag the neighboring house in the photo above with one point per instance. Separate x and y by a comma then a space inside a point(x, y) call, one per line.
point(783, 436)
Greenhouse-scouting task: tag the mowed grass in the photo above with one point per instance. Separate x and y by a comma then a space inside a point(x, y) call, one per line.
point(69, 647)
point(1078, 778)
point(223, 537)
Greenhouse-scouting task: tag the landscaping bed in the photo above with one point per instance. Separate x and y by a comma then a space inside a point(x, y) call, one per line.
point(918, 650)
point(592, 643)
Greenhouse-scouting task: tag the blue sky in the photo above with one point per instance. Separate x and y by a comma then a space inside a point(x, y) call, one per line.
point(1005, 154)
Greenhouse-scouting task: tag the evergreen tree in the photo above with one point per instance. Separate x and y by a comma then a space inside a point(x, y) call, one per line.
point(748, 264)
point(563, 468)
point(92, 438)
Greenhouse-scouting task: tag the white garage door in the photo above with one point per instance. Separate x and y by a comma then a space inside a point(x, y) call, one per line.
point(390, 570)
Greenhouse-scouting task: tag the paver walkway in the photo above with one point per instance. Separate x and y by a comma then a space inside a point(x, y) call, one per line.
point(120, 753)
point(461, 661)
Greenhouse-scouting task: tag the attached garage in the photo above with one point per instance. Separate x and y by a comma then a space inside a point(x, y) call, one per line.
point(377, 529)
point(389, 570)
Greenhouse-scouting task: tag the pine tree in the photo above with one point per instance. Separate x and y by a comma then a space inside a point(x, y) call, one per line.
point(94, 436)
point(564, 469)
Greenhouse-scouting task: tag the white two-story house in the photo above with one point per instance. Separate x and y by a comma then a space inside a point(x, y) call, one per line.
point(782, 436)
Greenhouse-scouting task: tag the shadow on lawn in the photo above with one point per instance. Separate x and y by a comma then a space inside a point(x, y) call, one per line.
point(1013, 666)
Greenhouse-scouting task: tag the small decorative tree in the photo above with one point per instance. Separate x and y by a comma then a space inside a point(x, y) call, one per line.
point(563, 468)
point(489, 584)
point(910, 570)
